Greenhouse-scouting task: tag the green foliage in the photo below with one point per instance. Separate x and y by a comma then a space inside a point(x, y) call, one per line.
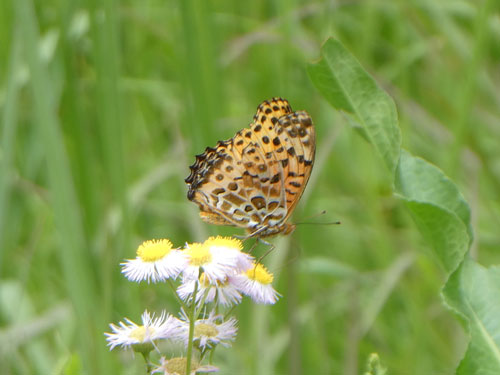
point(103, 106)
point(474, 292)
point(343, 82)
point(436, 205)
point(438, 208)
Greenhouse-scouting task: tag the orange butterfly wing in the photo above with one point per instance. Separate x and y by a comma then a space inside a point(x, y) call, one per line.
point(255, 179)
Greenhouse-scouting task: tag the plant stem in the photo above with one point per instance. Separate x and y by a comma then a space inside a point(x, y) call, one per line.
point(149, 366)
point(202, 303)
point(211, 357)
point(181, 302)
point(229, 312)
point(191, 328)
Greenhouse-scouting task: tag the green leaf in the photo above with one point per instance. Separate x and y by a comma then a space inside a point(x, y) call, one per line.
point(438, 208)
point(434, 201)
point(446, 234)
point(417, 179)
point(474, 292)
point(347, 86)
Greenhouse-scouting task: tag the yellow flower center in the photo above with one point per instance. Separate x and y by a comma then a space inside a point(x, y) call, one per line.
point(178, 365)
point(198, 254)
point(260, 274)
point(207, 330)
point(153, 250)
point(219, 241)
point(205, 282)
point(140, 333)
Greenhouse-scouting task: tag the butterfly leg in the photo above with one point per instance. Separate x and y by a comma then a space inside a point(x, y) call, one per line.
point(253, 247)
point(244, 238)
point(271, 248)
point(259, 260)
point(251, 235)
point(259, 239)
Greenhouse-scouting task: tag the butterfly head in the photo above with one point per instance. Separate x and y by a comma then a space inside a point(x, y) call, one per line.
point(288, 228)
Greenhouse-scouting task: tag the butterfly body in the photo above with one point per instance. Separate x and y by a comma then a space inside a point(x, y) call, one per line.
point(255, 179)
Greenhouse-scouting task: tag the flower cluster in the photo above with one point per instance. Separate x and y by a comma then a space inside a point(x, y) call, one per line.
point(226, 271)
point(213, 275)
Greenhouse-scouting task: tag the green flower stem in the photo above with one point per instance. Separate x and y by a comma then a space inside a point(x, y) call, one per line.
point(191, 327)
point(211, 357)
point(181, 302)
point(202, 355)
point(216, 301)
point(149, 366)
point(202, 302)
point(229, 312)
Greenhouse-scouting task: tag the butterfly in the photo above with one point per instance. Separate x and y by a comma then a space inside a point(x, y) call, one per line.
point(255, 179)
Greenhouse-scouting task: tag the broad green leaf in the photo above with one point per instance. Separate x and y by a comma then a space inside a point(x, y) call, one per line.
point(434, 201)
point(444, 231)
point(474, 292)
point(438, 208)
point(347, 86)
point(418, 180)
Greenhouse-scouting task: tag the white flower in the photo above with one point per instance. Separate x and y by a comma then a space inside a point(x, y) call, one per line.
point(209, 332)
point(223, 292)
point(256, 283)
point(177, 366)
point(156, 261)
point(129, 334)
point(217, 257)
point(231, 248)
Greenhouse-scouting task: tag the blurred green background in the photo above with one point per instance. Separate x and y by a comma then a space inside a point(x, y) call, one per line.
point(103, 106)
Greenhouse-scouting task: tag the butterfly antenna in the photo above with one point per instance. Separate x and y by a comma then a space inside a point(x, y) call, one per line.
point(316, 215)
